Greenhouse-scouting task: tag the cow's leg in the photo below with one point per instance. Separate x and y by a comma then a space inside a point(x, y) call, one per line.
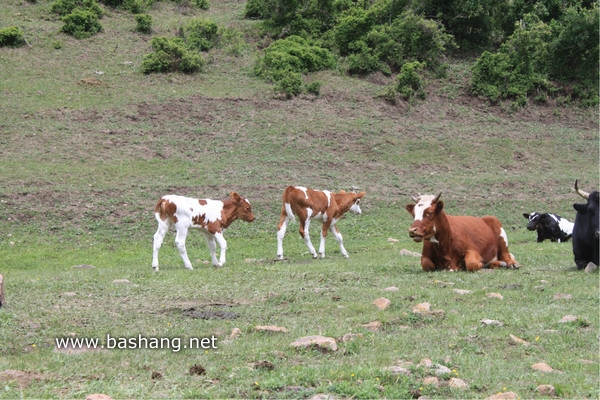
point(505, 258)
point(163, 228)
point(180, 243)
point(326, 225)
point(223, 245)
point(473, 261)
point(427, 265)
point(338, 238)
point(212, 247)
point(304, 229)
point(281, 229)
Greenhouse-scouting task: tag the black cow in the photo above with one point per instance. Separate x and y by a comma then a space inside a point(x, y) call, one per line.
point(585, 231)
point(550, 226)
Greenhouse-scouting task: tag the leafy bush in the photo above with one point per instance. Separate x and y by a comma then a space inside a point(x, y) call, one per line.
point(313, 88)
point(144, 23)
point(201, 4)
point(201, 34)
point(351, 27)
point(81, 24)
point(11, 37)
point(289, 83)
point(362, 60)
point(171, 54)
point(409, 83)
point(66, 7)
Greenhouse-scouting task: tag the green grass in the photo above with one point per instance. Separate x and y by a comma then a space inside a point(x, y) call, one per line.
point(81, 168)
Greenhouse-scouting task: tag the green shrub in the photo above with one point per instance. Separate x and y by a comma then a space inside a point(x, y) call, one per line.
point(144, 23)
point(201, 4)
point(362, 60)
point(289, 83)
point(350, 28)
point(170, 55)
point(66, 7)
point(409, 83)
point(201, 34)
point(135, 6)
point(11, 37)
point(314, 87)
point(81, 24)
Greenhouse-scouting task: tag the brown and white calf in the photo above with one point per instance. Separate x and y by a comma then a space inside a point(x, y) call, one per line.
point(211, 217)
point(457, 242)
point(309, 204)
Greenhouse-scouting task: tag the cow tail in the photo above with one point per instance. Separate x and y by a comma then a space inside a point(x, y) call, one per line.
point(286, 205)
point(160, 211)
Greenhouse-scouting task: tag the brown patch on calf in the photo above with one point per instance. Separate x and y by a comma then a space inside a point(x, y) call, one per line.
point(166, 209)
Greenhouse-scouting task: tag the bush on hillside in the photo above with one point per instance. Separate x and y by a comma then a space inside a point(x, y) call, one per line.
point(11, 37)
point(409, 82)
point(81, 24)
point(144, 23)
point(200, 34)
point(66, 7)
point(171, 55)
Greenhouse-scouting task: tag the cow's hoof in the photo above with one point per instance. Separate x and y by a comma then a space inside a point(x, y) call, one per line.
point(155, 267)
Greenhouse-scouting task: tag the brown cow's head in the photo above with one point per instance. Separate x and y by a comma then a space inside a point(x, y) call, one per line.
point(424, 213)
point(349, 201)
point(242, 206)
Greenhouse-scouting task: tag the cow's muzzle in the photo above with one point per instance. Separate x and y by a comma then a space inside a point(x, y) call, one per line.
point(414, 234)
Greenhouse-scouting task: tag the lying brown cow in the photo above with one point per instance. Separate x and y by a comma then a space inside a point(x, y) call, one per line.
point(322, 205)
point(457, 242)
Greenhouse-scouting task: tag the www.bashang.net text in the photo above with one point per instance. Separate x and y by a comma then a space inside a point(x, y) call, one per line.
point(175, 344)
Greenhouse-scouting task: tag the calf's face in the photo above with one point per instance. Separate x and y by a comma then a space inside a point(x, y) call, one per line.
point(533, 220)
point(243, 207)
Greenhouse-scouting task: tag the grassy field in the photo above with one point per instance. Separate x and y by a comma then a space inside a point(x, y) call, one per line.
point(81, 168)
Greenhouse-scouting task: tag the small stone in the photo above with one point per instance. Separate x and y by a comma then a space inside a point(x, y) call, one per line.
point(546, 390)
point(373, 326)
point(432, 380)
point(440, 369)
point(562, 296)
point(235, 332)
point(120, 281)
point(270, 328)
point(409, 253)
point(591, 267)
point(84, 266)
point(491, 322)
point(69, 294)
point(503, 396)
point(462, 291)
point(350, 336)
point(422, 308)
point(321, 342)
point(393, 240)
point(382, 303)
point(391, 289)
point(542, 367)
point(98, 396)
point(457, 383)
point(517, 340)
point(568, 318)
point(398, 370)
point(495, 296)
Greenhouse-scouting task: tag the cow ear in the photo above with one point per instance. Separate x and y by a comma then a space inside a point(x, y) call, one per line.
point(361, 195)
point(235, 197)
point(411, 209)
point(581, 208)
point(526, 215)
point(439, 206)
point(342, 192)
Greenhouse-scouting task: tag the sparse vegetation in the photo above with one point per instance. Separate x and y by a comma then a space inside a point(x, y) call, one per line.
point(11, 37)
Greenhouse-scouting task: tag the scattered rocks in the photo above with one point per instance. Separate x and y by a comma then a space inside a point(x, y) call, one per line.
point(382, 303)
point(432, 380)
point(393, 240)
point(350, 336)
point(322, 343)
point(568, 318)
point(517, 340)
point(546, 390)
point(391, 289)
point(69, 294)
point(397, 370)
point(270, 328)
point(542, 367)
point(425, 309)
point(409, 253)
point(121, 281)
point(495, 296)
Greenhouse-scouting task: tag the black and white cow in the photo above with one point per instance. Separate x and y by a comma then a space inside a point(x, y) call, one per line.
point(550, 226)
point(585, 232)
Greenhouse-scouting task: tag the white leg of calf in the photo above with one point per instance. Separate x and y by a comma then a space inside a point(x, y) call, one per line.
point(223, 245)
point(212, 247)
point(307, 239)
point(158, 239)
point(280, 236)
point(180, 243)
point(322, 247)
point(339, 238)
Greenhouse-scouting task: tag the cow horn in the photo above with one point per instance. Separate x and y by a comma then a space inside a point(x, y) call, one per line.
point(436, 198)
point(580, 192)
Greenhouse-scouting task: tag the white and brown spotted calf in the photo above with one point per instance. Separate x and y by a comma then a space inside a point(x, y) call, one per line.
point(211, 217)
point(309, 204)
